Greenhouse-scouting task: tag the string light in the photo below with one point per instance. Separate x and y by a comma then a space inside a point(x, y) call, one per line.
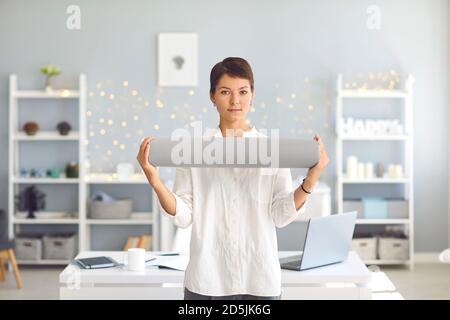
point(184, 111)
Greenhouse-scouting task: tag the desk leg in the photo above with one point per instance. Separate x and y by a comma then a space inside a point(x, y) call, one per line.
point(365, 293)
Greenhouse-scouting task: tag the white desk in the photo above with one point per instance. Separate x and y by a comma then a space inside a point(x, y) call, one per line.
point(347, 280)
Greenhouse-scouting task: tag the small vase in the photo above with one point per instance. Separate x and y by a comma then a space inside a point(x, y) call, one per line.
point(48, 86)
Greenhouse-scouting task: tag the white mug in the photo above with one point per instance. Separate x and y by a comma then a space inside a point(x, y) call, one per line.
point(136, 259)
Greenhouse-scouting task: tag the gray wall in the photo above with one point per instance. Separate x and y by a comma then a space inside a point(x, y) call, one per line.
point(285, 42)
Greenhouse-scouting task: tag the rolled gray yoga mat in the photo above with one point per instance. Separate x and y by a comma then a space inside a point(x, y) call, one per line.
point(234, 152)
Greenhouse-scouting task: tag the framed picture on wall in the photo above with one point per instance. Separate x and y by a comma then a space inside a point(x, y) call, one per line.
point(177, 59)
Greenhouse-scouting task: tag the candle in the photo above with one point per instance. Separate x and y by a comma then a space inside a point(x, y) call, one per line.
point(361, 170)
point(368, 170)
point(352, 167)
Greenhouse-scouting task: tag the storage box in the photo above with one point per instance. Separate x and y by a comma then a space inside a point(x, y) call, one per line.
point(28, 248)
point(354, 205)
point(375, 208)
point(393, 249)
point(365, 247)
point(59, 247)
point(120, 209)
point(397, 209)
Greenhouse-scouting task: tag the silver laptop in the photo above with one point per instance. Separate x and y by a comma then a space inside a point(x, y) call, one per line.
point(328, 241)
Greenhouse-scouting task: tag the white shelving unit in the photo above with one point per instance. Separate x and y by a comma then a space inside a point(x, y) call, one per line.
point(406, 138)
point(147, 218)
point(84, 182)
point(16, 137)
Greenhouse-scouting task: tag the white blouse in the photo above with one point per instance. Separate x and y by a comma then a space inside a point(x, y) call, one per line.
point(233, 213)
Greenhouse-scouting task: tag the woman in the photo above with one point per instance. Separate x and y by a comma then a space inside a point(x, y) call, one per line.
point(233, 211)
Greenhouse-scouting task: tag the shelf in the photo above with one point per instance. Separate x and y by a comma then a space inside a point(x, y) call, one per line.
point(46, 136)
point(374, 138)
point(40, 94)
point(46, 180)
point(376, 180)
point(43, 262)
point(403, 138)
point(382, 221)
point(385, 262)
point(45, 221)
point(142, 218)
point(112, 179)
point(373, 94)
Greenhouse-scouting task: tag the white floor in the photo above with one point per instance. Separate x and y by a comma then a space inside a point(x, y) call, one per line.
point(426, 281)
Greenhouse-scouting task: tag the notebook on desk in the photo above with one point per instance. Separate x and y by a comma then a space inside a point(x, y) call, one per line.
point(177, 262)
point(96, 262)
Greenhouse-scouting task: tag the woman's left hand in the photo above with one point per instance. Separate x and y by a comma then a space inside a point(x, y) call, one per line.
point(323, 157)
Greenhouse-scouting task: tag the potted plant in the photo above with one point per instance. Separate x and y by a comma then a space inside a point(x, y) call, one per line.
point(30, 200)
point(30, 128)
point(49, 71)
point(63, 128)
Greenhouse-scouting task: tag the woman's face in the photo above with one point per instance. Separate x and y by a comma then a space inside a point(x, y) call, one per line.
point(232, 98)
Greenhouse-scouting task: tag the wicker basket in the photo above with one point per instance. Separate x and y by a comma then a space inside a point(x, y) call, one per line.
point(120, 209)
point(28, 248)
point(61, 247)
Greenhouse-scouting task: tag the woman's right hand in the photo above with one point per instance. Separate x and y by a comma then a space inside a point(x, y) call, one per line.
point(142, 157)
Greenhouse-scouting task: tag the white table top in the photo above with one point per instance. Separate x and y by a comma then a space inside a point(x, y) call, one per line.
point(352, 270)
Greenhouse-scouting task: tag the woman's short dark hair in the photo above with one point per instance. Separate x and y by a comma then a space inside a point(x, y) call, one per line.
point(234, 67)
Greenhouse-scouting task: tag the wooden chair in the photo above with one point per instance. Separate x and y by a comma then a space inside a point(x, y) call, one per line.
point(7, 252)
